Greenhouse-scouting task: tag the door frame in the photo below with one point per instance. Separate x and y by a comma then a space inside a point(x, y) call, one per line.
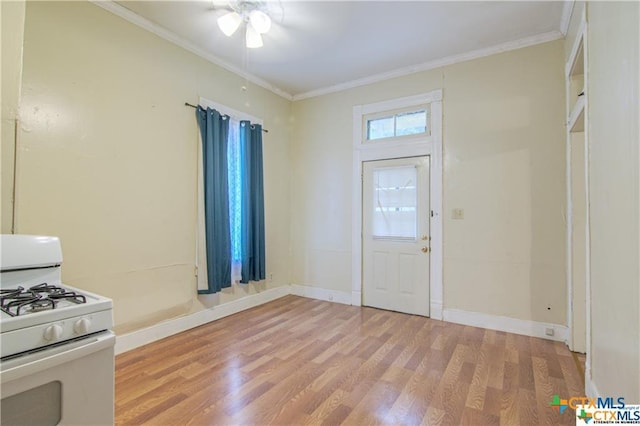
point(430, 145)
point(573, 113)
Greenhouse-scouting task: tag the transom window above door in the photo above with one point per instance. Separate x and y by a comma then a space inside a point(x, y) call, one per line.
point(395, 124)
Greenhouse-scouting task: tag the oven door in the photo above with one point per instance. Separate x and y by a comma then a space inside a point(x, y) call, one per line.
point(69, 384)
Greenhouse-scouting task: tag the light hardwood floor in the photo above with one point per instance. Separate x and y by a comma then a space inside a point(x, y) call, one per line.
point(300, 361)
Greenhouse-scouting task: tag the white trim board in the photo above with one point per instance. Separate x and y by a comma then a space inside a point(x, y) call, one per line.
point(321, 294)
point(436, 310)
point(412, 147)
point(171, 37)
point(135, 339)
point(509, 325)
point(573, 111)
point(590, 388)
point(567, 10)
point(437, 63)
point(129, 341)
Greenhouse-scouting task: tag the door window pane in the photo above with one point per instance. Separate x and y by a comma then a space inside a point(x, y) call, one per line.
point(394, 203)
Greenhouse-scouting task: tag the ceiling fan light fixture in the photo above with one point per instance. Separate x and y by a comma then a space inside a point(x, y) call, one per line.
point(260, 21)
point(229, 23)
point(254, 39)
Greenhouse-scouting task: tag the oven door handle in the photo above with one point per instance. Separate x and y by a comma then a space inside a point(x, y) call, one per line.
point(38, 361)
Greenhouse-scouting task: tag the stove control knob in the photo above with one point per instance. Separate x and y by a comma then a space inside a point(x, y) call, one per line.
point(82, 326)
point(53, 332)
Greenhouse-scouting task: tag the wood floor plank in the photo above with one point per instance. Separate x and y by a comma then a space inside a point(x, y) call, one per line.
point(492, 401)
point(496, 365)
point(527, 408)
point(298, 361)
point(478, 387)
point(509, 395)
point(571, 375)
point(473, 417)
point(324, 409)
point(337, 416)
point(375, 405)
point(544, 392)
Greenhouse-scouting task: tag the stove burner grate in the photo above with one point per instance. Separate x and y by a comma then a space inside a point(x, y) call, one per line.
point(41, 297)
point(71, 296)
point(47, 288)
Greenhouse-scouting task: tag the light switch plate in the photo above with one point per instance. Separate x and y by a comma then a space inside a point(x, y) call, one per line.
point(457, 214)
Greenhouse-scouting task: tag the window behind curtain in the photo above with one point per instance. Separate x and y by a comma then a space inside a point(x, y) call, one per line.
point(235, 188)
point(233, 161)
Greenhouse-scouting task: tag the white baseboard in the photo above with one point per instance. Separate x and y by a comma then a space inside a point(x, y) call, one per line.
point(321, 294)
point(137, 338)
point(435, 310)
point(590, 387)
point(510, 325)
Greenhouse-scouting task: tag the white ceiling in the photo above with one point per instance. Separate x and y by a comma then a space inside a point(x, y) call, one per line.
point(319, 46)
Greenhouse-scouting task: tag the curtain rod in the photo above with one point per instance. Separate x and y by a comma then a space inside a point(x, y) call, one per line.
point(195, 106)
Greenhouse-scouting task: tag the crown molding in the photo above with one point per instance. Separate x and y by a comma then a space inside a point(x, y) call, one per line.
point(567, 10)
point(450, 60)
point(171, 37)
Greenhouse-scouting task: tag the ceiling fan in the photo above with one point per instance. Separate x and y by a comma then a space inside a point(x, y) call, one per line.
point(255, 14)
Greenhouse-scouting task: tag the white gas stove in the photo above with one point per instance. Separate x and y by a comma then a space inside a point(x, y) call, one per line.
point(53, 339)
point(36, 308)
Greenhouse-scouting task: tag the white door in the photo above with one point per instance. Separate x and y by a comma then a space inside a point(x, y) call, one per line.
point(395, 235)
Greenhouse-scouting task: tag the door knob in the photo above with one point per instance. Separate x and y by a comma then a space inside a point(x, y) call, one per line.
point(425, 249)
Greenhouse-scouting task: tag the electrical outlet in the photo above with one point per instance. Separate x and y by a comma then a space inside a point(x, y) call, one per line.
point(457, 214)
point(549, 331)
point(270, 278)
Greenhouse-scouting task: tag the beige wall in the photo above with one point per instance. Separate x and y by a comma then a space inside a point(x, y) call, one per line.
point(504, 164)
point(108, 157)
point(12, 37)
point(613, 90)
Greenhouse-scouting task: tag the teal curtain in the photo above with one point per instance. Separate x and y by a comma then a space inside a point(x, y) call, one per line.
point(214, 129)
point(252, 199)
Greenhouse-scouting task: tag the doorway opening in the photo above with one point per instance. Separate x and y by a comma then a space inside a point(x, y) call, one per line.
point(417, 136)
